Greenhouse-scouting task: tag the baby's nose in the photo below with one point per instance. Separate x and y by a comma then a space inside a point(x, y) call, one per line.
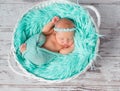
point(65, 42)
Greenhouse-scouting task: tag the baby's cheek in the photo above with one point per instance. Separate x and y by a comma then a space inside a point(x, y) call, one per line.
point(71, 42)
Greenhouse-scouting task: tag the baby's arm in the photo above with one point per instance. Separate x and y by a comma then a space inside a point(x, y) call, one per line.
point(67, 50)
point(47, 29)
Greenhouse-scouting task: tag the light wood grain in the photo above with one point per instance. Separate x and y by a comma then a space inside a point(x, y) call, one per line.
point(106, 76)
point(99, 1)
point(80, 1)
point(10, 13)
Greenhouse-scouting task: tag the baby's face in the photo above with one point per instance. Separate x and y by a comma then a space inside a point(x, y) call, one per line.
point(65, 39)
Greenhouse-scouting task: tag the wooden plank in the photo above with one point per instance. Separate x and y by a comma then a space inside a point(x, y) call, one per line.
point(109, 16)
point(80, 1)
point(10, 13)
point(109, 45)
point(96, 77)
point(5, 88)
point(21, 1)
point(107, 78)
point(59, 89)
point(99, 1)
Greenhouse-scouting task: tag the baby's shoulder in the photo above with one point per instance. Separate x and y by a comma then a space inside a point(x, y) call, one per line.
point(52, 35)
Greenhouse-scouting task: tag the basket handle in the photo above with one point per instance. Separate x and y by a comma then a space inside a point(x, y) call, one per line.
point(96, 12)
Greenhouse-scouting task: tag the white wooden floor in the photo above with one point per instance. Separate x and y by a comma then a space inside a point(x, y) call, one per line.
point(106, 77)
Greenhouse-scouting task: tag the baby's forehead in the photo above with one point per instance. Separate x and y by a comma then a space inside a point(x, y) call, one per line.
point(65, 34)
point(64, 23)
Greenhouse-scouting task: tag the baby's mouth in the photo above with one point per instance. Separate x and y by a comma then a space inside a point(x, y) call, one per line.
point(65, 46)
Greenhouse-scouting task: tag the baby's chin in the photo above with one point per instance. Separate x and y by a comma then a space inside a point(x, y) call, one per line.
point(66, 46)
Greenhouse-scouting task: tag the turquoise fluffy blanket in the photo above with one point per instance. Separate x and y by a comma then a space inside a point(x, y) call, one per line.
point(58, 66)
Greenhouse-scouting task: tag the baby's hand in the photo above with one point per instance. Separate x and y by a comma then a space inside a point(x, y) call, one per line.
point(22, 48)
point(55, 19)
point(67, 50)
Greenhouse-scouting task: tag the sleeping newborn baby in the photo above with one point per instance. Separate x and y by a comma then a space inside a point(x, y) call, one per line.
point(59, 36)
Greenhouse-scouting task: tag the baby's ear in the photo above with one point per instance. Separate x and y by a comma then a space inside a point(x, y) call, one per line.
point(55, 32)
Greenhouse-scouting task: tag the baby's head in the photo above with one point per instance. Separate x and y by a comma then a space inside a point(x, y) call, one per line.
point(64, 32)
